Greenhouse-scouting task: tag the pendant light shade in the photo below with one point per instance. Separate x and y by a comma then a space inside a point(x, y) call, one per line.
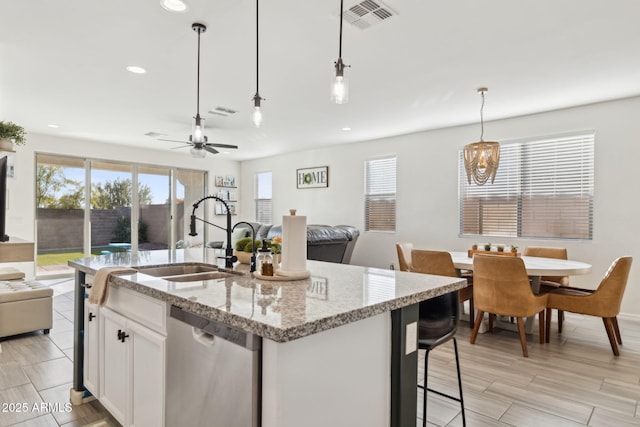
point(481, 159)
point(340, 86)
point(256, 116)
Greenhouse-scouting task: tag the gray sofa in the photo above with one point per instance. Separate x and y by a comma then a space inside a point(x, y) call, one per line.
point(324, 242)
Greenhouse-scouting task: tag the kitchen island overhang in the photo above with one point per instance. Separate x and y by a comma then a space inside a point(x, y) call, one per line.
point(326, 317)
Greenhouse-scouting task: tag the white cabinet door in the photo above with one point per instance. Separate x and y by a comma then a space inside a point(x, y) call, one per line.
point(92, 348)
point(148, 372)
point(114, 365)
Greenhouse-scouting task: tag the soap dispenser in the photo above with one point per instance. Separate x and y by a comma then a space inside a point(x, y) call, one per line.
point(265, 260)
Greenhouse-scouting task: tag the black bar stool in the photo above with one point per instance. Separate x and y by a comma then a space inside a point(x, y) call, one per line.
point(438, 324)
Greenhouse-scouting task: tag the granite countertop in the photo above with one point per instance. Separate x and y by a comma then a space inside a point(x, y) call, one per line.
point(334, 295)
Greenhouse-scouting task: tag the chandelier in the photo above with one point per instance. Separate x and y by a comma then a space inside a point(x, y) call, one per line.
point(481, 158)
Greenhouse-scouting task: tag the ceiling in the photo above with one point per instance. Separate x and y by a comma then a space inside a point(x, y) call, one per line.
point(63, 63)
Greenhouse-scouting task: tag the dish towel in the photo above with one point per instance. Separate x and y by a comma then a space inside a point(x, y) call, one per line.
point(100, 288)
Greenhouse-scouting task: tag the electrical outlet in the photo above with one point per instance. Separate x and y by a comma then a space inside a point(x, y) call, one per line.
point(411, 338)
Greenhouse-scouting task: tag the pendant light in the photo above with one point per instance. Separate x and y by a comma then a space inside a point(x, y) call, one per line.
point(340, 86)
point(257, 112)
point(198, 138)
point(481, 158)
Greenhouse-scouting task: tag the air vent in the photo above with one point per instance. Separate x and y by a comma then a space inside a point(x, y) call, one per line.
point(222, 111)
point(367, 13)
point(154, 134)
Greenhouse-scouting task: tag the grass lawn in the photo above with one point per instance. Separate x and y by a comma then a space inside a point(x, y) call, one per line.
point(63, 257)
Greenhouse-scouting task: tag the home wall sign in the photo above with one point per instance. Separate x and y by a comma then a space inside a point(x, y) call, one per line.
point(313, 177)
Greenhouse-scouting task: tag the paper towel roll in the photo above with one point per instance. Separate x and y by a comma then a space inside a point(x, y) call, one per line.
point(294, 245)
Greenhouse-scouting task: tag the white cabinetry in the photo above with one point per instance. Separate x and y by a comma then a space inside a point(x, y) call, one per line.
point(132, 358)
point(92, 348)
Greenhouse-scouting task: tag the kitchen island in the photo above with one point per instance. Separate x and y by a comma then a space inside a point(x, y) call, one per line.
point(338, 348)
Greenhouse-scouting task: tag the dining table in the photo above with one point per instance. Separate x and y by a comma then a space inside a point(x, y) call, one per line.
point(536, 268)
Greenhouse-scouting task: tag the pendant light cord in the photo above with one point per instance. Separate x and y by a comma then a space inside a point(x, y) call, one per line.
point(257, 50)
point(482, 118)
point(198, 83)
point(340, 47)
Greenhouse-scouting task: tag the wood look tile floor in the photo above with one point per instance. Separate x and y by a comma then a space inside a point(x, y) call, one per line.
point(573, 381)
point(36, 374)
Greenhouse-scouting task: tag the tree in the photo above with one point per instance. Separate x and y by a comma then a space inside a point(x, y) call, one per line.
point(117, 193)
point(50, 180)
point(122, 231)
point(71, 200)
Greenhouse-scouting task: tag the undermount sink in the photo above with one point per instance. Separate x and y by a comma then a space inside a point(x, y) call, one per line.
point(176, 269)
point(199, 276)
point(186, 272)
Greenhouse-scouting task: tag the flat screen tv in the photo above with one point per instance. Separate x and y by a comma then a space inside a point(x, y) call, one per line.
point(3, 198)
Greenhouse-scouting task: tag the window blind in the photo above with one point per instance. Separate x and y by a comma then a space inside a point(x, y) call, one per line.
point(380, 194)
point(543, 189)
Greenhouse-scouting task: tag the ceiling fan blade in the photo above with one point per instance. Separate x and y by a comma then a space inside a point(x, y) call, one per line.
point(173, 140)
point(180, 146)
point(213, 144)
point(210, 149)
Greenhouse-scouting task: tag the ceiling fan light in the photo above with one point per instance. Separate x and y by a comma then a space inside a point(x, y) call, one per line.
point(197, 134)
point(197, 153)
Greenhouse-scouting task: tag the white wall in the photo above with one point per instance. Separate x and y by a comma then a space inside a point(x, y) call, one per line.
point(427, 187)
point(21, 212)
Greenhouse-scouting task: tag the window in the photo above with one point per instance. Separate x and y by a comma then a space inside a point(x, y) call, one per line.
point(264, 202)
point(380, 194)
point(543, 189)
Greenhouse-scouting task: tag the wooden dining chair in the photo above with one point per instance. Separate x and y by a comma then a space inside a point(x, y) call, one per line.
point(440, 263)
point(501, 286)
point(602, 302)
point(404, 255)
point(548, 283)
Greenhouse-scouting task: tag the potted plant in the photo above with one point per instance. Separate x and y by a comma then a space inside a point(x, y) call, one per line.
point(275, 245)
point(10, 134)
point(514, 249)
point(500, 248)
point(474, 247)
point(243, 249)
point(487, 247)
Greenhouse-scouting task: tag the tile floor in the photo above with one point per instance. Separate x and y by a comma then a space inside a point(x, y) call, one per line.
point(573, 381)
point(36, 374)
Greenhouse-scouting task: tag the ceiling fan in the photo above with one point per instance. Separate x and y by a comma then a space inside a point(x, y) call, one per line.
point(198, 141)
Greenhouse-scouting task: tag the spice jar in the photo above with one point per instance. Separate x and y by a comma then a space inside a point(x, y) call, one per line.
point(264, 263)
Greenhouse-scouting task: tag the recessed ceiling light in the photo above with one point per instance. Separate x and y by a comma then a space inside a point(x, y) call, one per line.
point(135, 69)
point(174, 5)
point(346, 128)
point(53, 126)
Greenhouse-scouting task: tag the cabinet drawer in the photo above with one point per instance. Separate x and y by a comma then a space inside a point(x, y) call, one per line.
point(145, 310)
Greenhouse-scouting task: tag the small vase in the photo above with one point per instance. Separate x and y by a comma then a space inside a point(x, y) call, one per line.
point(243, 257)
point(6, 145)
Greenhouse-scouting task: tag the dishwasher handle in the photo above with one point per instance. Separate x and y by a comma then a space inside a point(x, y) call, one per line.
point(202, 337)
point(219, 330)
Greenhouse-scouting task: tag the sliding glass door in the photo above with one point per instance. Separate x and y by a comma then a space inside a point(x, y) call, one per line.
point(154, 199)
point(94, 207)
point(60, 207)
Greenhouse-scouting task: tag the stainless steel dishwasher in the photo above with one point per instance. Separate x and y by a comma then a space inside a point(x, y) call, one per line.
point(213, 373)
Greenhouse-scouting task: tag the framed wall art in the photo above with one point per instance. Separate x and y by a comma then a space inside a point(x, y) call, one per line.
point(317, 177)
